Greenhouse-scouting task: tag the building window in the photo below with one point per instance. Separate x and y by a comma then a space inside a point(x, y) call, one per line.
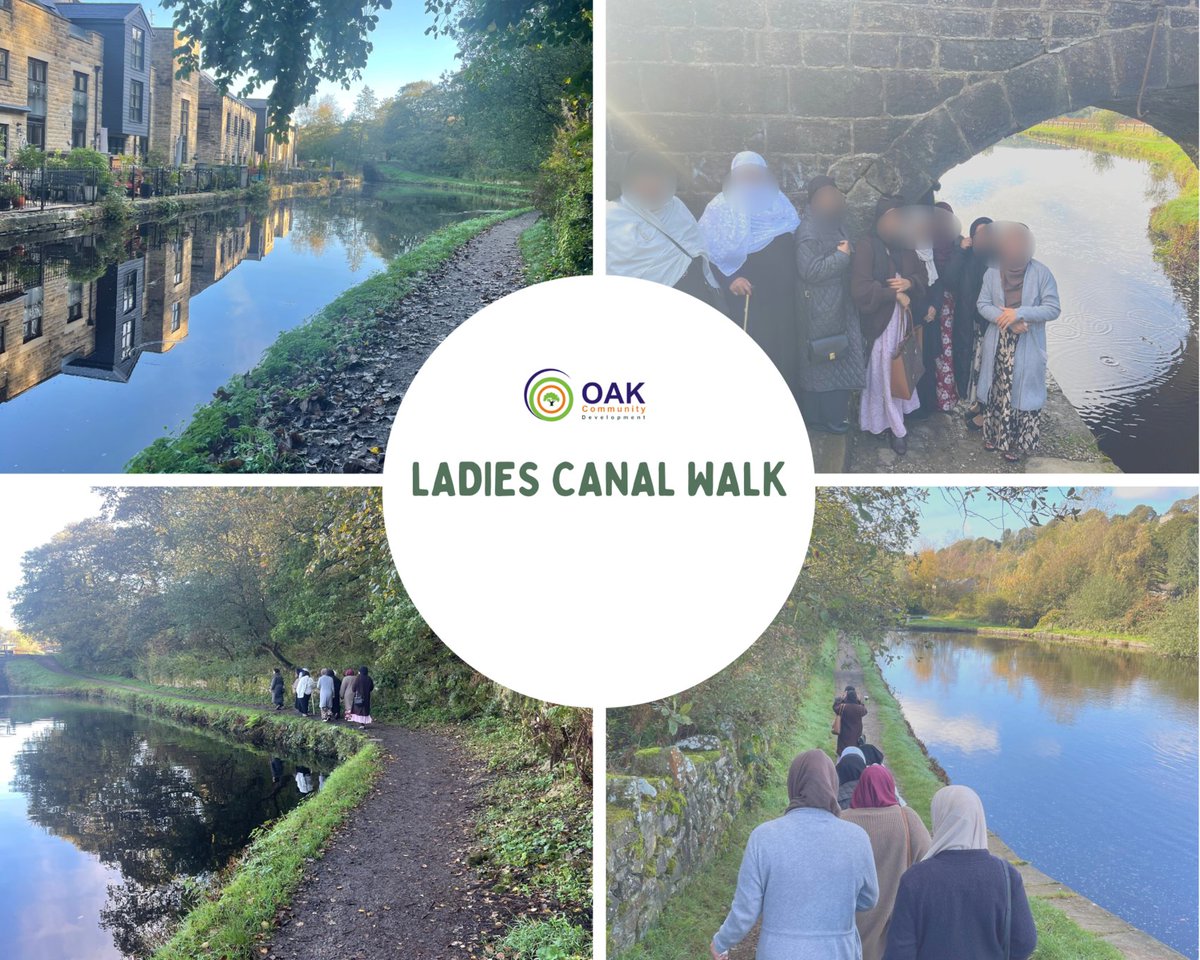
point(3, 141)
point(137, 49)
point(79, 110)
point(126, 339)
point(202, 115)
point(129, 292)
point(175, 321)
point(178, 261)
point(135, 101)
point(31, 327)
point(37, 88)
point(3, 64)
point(74, 301)
point(185, 110)
point(35, 133)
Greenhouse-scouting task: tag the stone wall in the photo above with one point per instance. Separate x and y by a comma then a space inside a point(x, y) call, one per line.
point(666, 818)
point(225, 126)
point(28, 30)
point(885, 95)
point(167, 98)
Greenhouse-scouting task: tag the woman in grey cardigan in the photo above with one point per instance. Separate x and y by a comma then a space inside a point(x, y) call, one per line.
point(1018, 298)
point(804, 874)
point(831, 351)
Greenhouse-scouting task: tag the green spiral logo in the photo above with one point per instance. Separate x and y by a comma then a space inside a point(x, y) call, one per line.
point(549, 397)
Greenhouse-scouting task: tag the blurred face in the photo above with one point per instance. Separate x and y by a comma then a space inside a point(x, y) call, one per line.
point(829, 202)
point(650, 190)
point(1014, 247)
point(750, 176)
point(889, 226)
point(982, 239)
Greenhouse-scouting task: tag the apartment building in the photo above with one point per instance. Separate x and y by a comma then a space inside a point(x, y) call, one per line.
point(270, 148)
point(174, 101)
point(225, 126)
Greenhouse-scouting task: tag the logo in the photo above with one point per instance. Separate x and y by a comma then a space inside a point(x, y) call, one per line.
point(548, 397)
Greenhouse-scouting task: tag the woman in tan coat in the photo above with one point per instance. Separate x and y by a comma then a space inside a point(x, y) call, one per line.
point(346, 694)
point(898, 840)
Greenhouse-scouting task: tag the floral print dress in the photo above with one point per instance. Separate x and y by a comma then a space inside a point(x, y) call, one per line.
point(943, 365)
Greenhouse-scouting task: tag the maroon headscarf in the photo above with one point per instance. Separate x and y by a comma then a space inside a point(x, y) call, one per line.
point(876, 788)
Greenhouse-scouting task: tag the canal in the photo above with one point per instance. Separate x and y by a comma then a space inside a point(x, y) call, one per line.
point(1124, 350)
point(1085, 757)
point(111, 823)
point(109, 339)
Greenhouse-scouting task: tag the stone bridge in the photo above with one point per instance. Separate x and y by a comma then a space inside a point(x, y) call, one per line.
point(884, 95)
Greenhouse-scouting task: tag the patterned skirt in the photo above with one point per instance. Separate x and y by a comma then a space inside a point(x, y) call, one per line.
point(1004, 426)
point(943, 364)
point(359, 718)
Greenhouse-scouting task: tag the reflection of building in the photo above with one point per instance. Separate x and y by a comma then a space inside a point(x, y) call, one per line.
point(224, 126)
point(120, 309)
point(268, 147)
point(50, 78)
point(217, 249)
point(168, 292)
point(45, 318)
point(125, 105)
point(173, 107)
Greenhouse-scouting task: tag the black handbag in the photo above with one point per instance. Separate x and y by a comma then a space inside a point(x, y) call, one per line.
point(821, 349)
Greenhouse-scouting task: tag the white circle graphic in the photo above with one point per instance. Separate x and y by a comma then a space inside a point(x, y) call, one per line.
point(598, 491)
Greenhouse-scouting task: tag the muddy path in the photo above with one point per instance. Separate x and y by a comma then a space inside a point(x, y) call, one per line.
point(395, 880)
point(340, 423)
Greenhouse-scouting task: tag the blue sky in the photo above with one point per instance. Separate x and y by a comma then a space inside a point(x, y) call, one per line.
point(942, 521)
point(403, 53)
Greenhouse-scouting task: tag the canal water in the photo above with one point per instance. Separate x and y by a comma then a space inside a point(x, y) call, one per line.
point(1085, 757)
point(110, 823)
point(110, 339)
point(1124, 350)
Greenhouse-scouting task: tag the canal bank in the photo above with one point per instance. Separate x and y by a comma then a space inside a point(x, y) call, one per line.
point(16, 225)
point(323, 397)
point(920, 775)
point(1015, 633)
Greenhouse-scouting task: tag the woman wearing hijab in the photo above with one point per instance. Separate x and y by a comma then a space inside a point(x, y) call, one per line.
point(277, 689)
point(360, 710)
point(898, 840)
point(943, 260)
point(303, 689)
point(1018, 298)
point(886, 279)
point(749, 234)
point(968, 324)
point(850, 766)
point(346, 694)
point(325, 692)
point(652, 235)
point(960, 901)
point(851, 710)
point(804, 874)
point(831, 351)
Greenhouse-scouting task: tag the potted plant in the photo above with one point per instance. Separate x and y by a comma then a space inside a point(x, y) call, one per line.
point(8, 193)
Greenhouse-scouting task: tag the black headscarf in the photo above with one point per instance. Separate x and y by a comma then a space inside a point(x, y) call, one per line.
point(977, 223)
point(817, 183)
point(884, 258)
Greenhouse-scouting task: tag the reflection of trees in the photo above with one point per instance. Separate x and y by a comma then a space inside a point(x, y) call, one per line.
point(162, 810)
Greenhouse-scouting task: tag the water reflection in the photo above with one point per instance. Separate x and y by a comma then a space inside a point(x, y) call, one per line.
point(1067, 743)
point(160, 315)
point(110, 823)
point(1124, 350)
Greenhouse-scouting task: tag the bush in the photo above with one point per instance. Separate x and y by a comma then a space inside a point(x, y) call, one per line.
point(1174, 630)
point(29, 157)
point(1101, 600)
point(564, 195)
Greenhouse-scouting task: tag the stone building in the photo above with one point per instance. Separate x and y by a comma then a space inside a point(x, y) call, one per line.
point(125, 104)
point(225, 126)
point(886, 95)
point(174, 101)
point(168, 291)
point(119, 317)
point(51, 83)
point(269, 148)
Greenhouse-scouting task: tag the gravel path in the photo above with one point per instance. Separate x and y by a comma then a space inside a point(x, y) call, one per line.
point(342, 426)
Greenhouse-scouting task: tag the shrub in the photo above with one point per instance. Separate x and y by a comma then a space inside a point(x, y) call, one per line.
point(564, 194)
point(29, 157)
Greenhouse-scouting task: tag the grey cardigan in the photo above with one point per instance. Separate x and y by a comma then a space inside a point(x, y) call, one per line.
point(1039, 305)
point(805, 874)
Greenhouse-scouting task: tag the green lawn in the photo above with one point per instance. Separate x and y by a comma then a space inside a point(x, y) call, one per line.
point(390, 173)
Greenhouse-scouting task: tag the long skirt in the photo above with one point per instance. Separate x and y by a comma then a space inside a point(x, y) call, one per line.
point(879, 410)
point(360, 718)
point(943, 363)
point(1004, 426)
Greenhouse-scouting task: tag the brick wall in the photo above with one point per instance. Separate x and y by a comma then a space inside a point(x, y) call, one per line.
point(30, 30)
point(885, 95)
point(225, 129)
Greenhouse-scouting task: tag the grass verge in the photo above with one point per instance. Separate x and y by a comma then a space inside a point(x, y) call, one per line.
point(223, 435)
point(1059, 937)
point(535, 839)
point(388, 173)
point(686, 925)
point(238, 916)
point(537, 252)
point(1099, 638)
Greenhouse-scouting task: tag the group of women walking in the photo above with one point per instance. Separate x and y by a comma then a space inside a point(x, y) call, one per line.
point(346, 699)
point(911, 315)
point(870, 883)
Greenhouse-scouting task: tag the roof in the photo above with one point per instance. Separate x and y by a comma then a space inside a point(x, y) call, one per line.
point(12, 108)
point(99, 11)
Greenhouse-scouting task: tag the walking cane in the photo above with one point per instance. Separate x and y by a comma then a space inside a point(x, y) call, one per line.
point(746, 315)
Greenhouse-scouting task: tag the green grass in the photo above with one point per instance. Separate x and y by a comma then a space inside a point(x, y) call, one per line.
point(1048, 634)
point(238, 916)
point(389, 173)
point(1059, 937)
point(535, 839)
point(223, 435)
point(686, 925)
point(947, 622)
point(537, 251)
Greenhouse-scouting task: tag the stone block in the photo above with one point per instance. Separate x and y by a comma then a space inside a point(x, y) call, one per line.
point(987, 54)
point(677, 13)
point(747, 14)
point(793, 135)
point(826, 49)
point(1182, 66)
point(1128, 13)
point(678, 88)
point(809, 14)
point(1071, 26)
point(917, 53)
point(925, 151)
point(1089, 71)
point(835, 93)
point(895, 18)
point(875, 135)
point(982, 114)
point(913, 92)
point(710, 46)
point(874, 50)
point(1037, 91)
point(763, 90)
point(628, 43)
point(782, 48)
point(1028, 24)
point(1130, 49)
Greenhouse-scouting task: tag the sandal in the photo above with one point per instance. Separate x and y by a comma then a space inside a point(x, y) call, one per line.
point(1012, 457)
point(989, 446)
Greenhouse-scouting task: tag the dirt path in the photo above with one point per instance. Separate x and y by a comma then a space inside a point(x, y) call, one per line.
point(342, 426)
point(395, 880)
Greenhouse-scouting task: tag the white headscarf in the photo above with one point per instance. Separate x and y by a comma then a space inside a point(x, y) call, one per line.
point(640, 243)
point(738, 222)
point(853, 751)
point(926, 255)
point(958, 821)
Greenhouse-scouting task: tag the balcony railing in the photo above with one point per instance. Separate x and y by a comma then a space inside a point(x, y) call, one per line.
point(37, 98)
